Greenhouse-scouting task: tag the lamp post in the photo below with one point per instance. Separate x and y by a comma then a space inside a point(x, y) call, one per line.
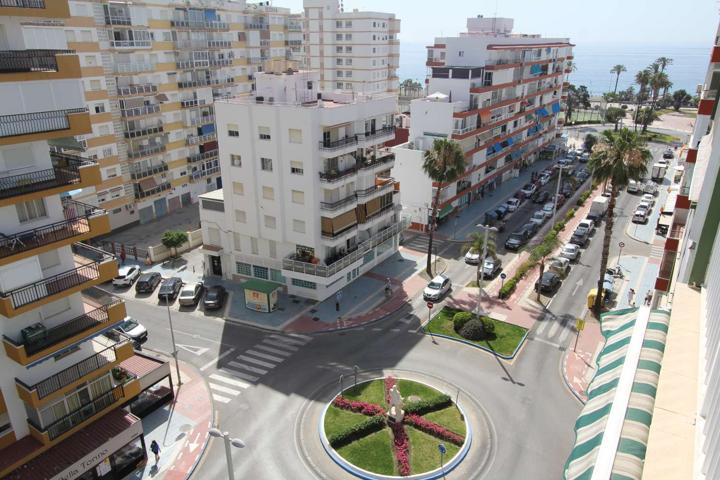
point(235, 442)
point(174, 352)
point(481, 261)
point(557, 194)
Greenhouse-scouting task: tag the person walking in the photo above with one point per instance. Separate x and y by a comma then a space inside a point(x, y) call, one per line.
point(648, 297)
point(155, 449)
point(631, 296)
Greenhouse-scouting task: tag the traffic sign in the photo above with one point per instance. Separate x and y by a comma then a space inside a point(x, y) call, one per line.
point(430, 304)
point(442, 449)
point(621, 244)
point(580, 324)
point(503, 275)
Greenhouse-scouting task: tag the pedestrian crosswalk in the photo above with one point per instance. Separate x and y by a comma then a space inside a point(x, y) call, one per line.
point(246, 368)
point(657, 251)
point(553, 330)
point(419, 243)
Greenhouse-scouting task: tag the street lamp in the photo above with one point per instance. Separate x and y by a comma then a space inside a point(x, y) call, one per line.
point(174, 352)
point(235, 442)
point(557, 194)
point(481, 263)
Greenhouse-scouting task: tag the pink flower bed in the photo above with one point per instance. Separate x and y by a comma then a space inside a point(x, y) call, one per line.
point(365, 408)
point(434, 429)
point(389, 384)
point(401, 446)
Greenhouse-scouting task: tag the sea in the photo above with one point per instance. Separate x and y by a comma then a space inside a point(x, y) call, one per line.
point(594, 62)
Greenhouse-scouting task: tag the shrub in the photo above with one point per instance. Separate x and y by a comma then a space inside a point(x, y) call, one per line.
point(508, 288)
point(358, 407)
point(460, 319)
point(432, 428)
point(569, 215)
point(356, 432)
point(488, 325)
point(401, 447)
point(473, 330)
point(422, 407)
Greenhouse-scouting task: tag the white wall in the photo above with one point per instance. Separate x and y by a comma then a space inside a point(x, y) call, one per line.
point(415, 186)
point(40, 96)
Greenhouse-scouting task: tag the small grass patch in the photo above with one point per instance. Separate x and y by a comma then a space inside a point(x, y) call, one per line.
point(373, 453)
point(424, 453)
point(371, 392)
point(338, 420)
point(660, 137)
point(504, 340)
point(448, 417)
point(408, 388)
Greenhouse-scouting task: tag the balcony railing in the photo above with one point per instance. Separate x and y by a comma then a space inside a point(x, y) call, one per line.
point(366, 192)
point(55, 335)
point(331, 206)
point(130, 43)
point(37, 122)
point(117, 20)
point(77, 223)
point(23, 3)
point(146, 151)
point(46, 287)
point(152, 191)
point(195, 102)
point(15, 61)
point(193, 83)
point(337, 175)
point(137, 111)
point(209, 155)
point(204, 173)
point(338, 144)
point(382, 132)
point(195, 139)
point(65, 171)
point(144, 132)
point(208, 25)
point(137, 90)
point(378, 160)
point(149, 171)
point(134, 67)
point(202, 120)
point(220, 62)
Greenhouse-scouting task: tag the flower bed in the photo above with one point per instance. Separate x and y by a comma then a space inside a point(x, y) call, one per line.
point(434, 429)
point(358, 407)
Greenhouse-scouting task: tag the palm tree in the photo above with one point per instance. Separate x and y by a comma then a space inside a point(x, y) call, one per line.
point(642, 78)
point(617, 70)
point(618, 158)
point(443, 163)
point(477, 245)
point(663, 62)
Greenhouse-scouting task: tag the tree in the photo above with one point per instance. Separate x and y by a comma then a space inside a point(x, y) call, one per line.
point(583, 96)
point(614, 115)
point(590, 141)
point(617, 70)
point(443, 163)
point(627, 95)
point(477, 245)
point(645, 117)
point(680, 98)
point(663, 62)
point(642, 78)
point(618, 158)
point(577, 97)
point(172, 239)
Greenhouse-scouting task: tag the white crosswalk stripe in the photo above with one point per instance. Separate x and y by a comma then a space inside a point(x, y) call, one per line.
point(273, 350)
point(553, 328)
point(307, 338)
point(248, 368)
point(265, 355)
point(220, 398)
point(291, 341)
point(222, 389)
point(280, 344)
point(563, 335)
point(238, 374)
point(229, 381)
point(256, 361)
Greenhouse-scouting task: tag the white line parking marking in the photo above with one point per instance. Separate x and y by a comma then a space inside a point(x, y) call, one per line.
point(248, 368)
point(563, 335)
point(256, 361)
point(235, 373)
point(265, 355)
point(229, 381)
point(222, 389)
point(273, 350)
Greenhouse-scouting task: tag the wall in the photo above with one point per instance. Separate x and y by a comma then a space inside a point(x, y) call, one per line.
point(415, 186)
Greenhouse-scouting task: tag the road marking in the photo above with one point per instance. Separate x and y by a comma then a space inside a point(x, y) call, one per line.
point(195, 350)
point(553, 328)
point(265, 355)
point(376, 329)
point(256, 361)
point(563, 334)
point(542, 327)
point(216, 359)
point(291, 341)
point(546, 342)
point(229, 381)
point(220, 398)
point(307, 338)
point(223, 389)
point(281, 345)
point(395, 330)
point(248, 368)
point(235, 373)
point(273, 350)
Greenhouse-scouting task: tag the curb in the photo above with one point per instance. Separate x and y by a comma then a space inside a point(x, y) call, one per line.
point(627, 232)
point(565, 379)
point(480, 347)
point(207, 438)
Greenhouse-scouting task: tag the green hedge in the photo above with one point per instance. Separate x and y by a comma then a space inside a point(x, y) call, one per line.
point(358, 431)
point(583, 198)
point(426, 406)
point(460, 319)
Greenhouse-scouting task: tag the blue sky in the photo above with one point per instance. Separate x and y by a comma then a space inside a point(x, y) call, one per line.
point(647, 22)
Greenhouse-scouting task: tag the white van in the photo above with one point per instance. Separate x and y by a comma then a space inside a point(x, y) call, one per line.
point(633, 186)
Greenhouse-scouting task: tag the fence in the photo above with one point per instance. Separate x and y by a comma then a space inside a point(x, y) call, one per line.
point(158, 253)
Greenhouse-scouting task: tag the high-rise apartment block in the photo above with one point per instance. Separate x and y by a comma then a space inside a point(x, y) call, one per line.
point(498, 95)
point(66, 389)
point(356, 51)
point(307, 200)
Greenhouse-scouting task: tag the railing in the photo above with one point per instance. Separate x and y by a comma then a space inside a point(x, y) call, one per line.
point(134, 67)
point(195, 102)
point(210, 25)
point(153, 191)
point(209, 155)
point(193, 83)
point(339, 203)
point(137, 111)
point(379, 160)
point(195, 139)
point(144, 152)
point(149, 171)
point(676, 231)
point(257, 26)
point(137, 90)
point(377, 214)
point(59, 333)
point(220, 62)
point(144, 132)
point(348, 260)
point(294, 28)
point(204, 173)
point(76, 224)
point(65, 171)
point(202, 120)
point(382, 132)
point(23, 3)
point(130, 43)
point(340, 143)
point(218, 44)
point(366, 192)
point(117, 20)
point(14, 61)
point(46, 287)
point(334, 176)
point(37, 122)
point(345, 231)
point(190, 64)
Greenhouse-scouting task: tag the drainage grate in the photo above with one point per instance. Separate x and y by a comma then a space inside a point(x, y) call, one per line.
point(313, 310)
point(316, 319)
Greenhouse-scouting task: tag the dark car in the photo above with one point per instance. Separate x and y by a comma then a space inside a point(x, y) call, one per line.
point(549, 282)
point(580, 236)
point(169, 289)
point(532, 227)
point(215, 297)
point(518, 238)
point(668, 154)
point(542, 197)
point(501, 211)
point(148, 282)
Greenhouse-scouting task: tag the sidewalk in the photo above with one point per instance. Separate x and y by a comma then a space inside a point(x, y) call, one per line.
point(180, 428)
point(579, 362)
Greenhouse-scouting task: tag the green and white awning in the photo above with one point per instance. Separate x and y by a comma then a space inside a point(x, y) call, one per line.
point(619, 330)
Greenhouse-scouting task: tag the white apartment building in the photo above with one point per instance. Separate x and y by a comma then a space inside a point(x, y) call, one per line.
point(498, 95)
point(356, 51)
point(307, 200)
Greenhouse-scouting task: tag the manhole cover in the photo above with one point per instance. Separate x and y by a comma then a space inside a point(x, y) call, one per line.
point(313, 310)
point(316, 319)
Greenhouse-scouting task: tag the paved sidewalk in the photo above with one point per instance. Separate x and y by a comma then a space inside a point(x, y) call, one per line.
point(578, 364)
point(180, 428)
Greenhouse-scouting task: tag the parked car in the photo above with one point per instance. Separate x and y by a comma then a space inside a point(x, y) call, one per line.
point(584, 157)
point(570, 251)
point(560, 265)
point(538, 218)
point(491, 267)
point(565, 162)
point(580, 236)
point(668, 154)
point(472, 257)
point(512, 204)
point(640, 216)
point(528, 189)
point(129, 328)
point(649, 199)
point(567, 190)
point(501, 211)
point(518, 238)
point(633, 186)
point(588, 224)
point(169, 289)
point(544, 179)
point(191, 293)
point(548, 283)
point(126, 276)
point(560, 198)
point(148, 282)
point(548, 209)
point(643, 205)
point(437, 288)
point(541, 197)
point(214, 297)
point(532, 227)
point(650, 187)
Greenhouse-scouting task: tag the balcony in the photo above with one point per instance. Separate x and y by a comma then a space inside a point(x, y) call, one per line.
point(144, 132)
point(383, 185)
point(143, 193)
point(193, 84)
point(132, 68)
point(198, 157)
point(196, 139)
point(26, 349)
point(200, 25)
point(130, 44)
point(28, 127)
point(198, 174)
point(147, 172)
point(381, 135)
point(81, 222)
point(146, 151)
point(195, 102)
point(93, 267)
point(48, 64)
point(122, 20)
point(334, 145)
point(137, 90)
point(139, 111)
point(68, 172)
point(343, 202)
point(191, 64)
point(201, 120)
point(333, 176)
point(383, 160)
point(35, 8)
point(220, 62)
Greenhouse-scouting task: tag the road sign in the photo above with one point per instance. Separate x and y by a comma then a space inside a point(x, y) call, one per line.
point(621, 244)
point(580, 324)
point(442, 449)
point(430, 304)
point(503, 276)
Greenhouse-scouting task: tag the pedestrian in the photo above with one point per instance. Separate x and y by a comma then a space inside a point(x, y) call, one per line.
point(155, 448)
point(631, 295)
point(648, 297)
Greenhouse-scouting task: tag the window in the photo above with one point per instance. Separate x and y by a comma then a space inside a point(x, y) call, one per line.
point(237, 241)
point(260, 272)
point(296, 168)
point(304, 284)
point(338, 24)
point(298, 226)
point(348, 49)
point(461, 53)
point(253, 246)
point(339, 85)
point(31, 210)
point(338, 36)
point(243, 268)
point(275, 276)
point(339, 73)
point(338, 61)
point(309, 85)
point(348, 36)
point(338, 49)
point(348, 86)
point(298, 197)
point(240, 216)
point(266, 164)
point(238, 188)
point(348, 73)
point(268, 193)
point(273, 248)
point(264, 133)
point(270, 222)
point(348, 61)
point(235, 160)
point(295, 135)
point(99, 107)
point(348, 24)
point(49, 259)
point(233, 130)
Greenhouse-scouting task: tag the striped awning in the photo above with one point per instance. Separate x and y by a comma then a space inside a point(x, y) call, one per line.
point(618, 328)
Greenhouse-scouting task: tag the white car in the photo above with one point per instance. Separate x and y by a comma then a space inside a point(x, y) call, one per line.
point(132, 329)
point(538, 217)
point(587, 224)
point(512, 204)
point(644, 206)
point(126, 276)
point(528, 189)
point(472, 257)
point(640, 216)
point(437, 287)
point(650, 188)
point(548, 209)
point(633, 186)
point(648, 198)
point(570, 251)
point(544, 179)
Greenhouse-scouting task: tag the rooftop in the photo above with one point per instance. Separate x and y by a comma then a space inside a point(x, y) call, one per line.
point(214, 195)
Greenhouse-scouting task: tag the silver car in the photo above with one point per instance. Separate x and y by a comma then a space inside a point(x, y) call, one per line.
point(191, 293)
point(437, 288)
